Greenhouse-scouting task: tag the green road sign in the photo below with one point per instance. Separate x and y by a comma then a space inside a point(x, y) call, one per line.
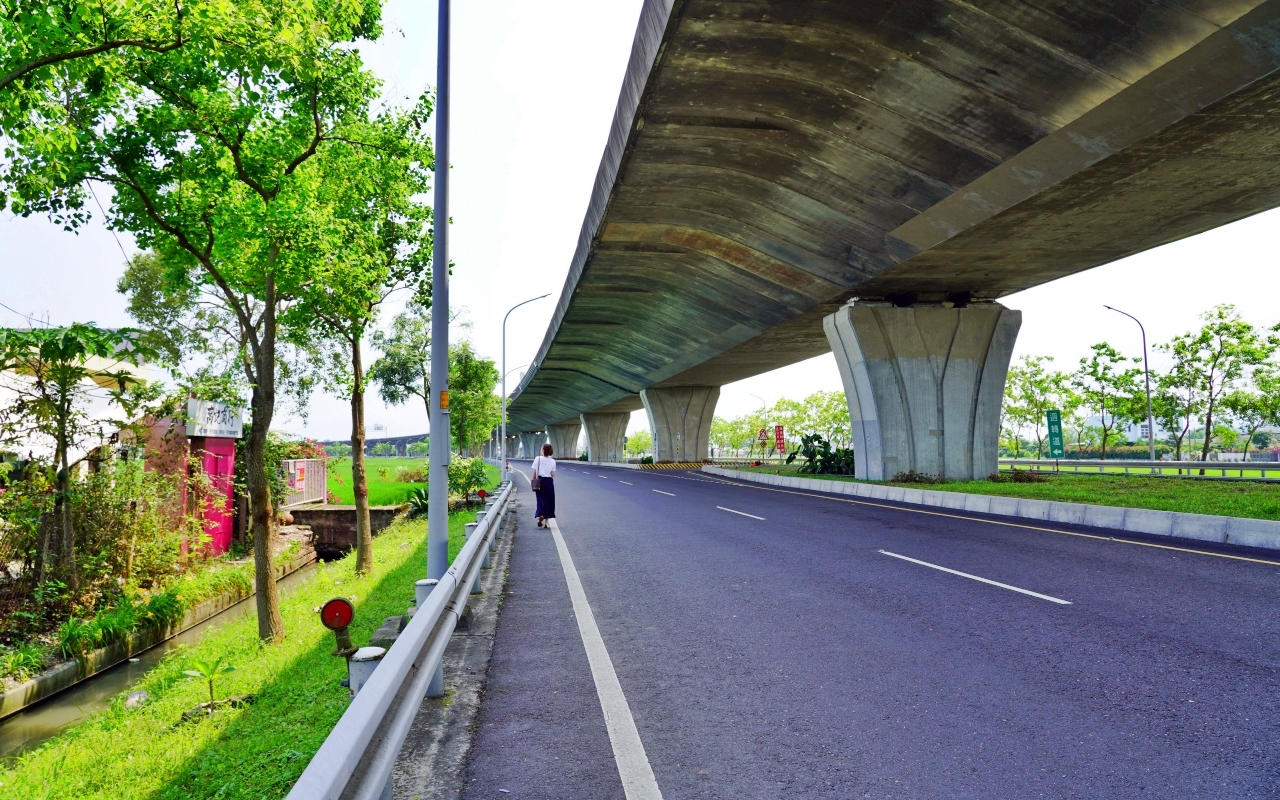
point(1056, 447)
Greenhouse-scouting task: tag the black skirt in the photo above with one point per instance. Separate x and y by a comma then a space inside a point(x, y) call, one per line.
point(546, 498)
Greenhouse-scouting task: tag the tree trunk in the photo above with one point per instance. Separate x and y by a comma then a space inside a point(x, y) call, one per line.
point(270, 623)
point(359, 478)
point(62, 510)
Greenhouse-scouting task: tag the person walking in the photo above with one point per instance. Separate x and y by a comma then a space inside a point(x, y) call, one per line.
point(544, 473)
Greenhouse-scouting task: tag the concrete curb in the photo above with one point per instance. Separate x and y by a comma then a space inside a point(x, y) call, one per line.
point(66, 674)
point(1260, 533)
point(614, 464)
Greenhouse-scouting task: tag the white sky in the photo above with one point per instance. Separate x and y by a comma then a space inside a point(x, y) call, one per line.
point(535, 87)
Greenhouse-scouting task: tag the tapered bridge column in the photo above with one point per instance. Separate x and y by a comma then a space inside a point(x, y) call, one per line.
point(513, 445)
point(606, 435)
point(924, 385)
point(564, 438)
point(680, 420)
point(531, 443)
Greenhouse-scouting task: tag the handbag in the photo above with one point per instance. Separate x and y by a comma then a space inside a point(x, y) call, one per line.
point(535, 483)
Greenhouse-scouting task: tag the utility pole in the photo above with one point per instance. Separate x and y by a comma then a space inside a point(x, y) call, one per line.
point(438, 476)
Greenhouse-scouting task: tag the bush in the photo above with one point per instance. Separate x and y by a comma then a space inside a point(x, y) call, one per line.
point(23, 661)
point(466, 475)
point(584, 456)
point(1018, 476)
point(911, 476)
point(820, 458)
point(646, 460)
point(412, 475)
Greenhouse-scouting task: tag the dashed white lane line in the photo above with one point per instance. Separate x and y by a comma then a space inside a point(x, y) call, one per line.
point(1059, 601)
point(668, 494)
point(743, 513)
point(606, 477)
point(638, 781)
point(629, 484)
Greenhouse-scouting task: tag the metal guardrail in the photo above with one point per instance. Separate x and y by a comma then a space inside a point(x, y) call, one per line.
point(357, 757)
point(1215, 470)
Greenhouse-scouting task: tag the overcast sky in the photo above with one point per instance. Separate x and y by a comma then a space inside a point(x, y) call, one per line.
point(535, 87)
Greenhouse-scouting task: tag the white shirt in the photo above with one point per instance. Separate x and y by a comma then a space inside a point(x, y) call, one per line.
point(543, 466)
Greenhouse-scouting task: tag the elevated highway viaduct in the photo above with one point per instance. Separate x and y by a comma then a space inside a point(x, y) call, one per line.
point(783, 179)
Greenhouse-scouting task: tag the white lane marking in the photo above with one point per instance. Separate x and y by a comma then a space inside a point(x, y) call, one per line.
point(981, 580)
point(606, 477)
point(629, 484)
point(638, 781)
point(743, 513)
point(668, 494)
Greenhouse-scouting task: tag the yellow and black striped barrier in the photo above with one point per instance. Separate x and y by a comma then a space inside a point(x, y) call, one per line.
point(673, 465)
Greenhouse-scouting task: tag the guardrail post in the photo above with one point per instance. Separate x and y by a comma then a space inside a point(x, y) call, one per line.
point(361, 665)
point(471, 528)
point(421, 591)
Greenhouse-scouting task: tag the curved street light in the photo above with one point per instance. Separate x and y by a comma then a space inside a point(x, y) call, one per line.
point(503, 444)
point(1146, 370)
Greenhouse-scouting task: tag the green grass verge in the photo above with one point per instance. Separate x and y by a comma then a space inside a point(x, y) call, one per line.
point(1223, 498)
point(382, 491)
point(253, 752)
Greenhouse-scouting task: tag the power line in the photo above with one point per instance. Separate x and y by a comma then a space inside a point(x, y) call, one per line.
point(24, 316)
point(104, 217)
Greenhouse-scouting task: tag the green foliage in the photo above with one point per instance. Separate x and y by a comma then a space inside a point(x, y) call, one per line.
point(419, 501)
point(474, 408)
point(1031, 391)
point(820, 458)
point(420, 449)
point(911, 476)
point(585, 456)
point(383, 450)
point(646, 460)
point(412, 474)
point(467, 475)
point(22, 661)
point(209, 670)
point(338, 450)
point(822, 413)
point(404, 370)
point(641, 442)
point(1108, 386)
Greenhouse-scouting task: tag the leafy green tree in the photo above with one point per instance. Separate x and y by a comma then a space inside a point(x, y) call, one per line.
point(1213, 359)
point(1109, 387)
point(1253, 411)
point(375, 193)
point(829, 417)
point(419, 449)
point(474, 408)
point(641, 442)
point(1031, 391)
point(384, 450)
point(338, 449)
point(50, 374)
point(210, 151)
point(404, 370)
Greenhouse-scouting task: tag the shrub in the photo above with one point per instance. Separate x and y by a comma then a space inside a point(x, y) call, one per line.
point(584, 456)
point(412, 475)
point(1018, 476)
point(646, 460)
point(23, 661)
point(820, 458)
point(419, 501)
point(467, 475)
point(911, 476)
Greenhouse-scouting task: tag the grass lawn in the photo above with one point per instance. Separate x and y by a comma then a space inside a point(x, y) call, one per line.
point(256, 751)
point(1224, 498)
point(383, 491)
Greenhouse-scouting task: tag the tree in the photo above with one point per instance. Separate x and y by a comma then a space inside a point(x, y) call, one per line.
point(1253, 411)
point(1213, 359)
point(829, 416)
point(473, 405)
point(210, 151)
point(50, 372)
point(1109, 387)
point(641, 442)
point(404, 370)
point(387, 248)
point(1176, 403)
point(1032, 391)
point(419, 449)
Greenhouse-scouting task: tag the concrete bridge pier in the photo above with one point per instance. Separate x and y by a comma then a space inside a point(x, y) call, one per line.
point(606, 435)
point(513, 445)
point(680, 420)
point(531, 443)
point(924, 385)
point(564, 438)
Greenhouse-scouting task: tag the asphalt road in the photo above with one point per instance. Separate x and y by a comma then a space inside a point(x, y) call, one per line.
point(790, 657)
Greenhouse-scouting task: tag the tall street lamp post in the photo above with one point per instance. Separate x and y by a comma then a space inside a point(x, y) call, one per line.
point(1146, 370)
point(438, 474)
point(503, 454)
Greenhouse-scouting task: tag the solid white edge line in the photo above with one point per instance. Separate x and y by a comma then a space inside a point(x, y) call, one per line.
point(638, 781)
point(659, 491)
point(980, 580)
point(743, 513)
point(629, 484)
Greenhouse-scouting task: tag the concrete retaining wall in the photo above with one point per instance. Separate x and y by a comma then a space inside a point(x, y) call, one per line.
point(1196, 527)
point(334, 527)
point(69, 673)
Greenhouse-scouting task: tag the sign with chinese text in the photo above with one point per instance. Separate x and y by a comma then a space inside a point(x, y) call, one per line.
point(214, 419)
point(1057, 446)
point(779, 438)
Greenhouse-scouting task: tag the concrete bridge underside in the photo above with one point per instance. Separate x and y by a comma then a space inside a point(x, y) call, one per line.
point(770, 162)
